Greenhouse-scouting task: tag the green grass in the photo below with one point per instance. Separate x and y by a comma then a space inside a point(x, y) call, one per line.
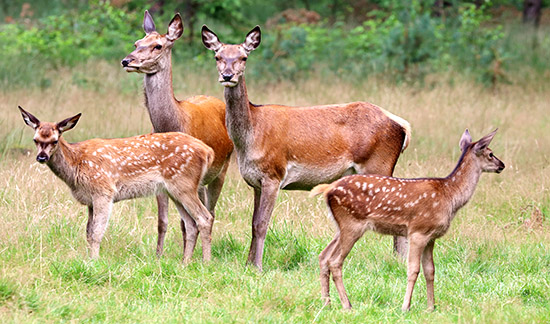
point(490, 267)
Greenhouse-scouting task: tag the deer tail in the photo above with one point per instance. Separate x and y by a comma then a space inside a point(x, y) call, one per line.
point(320, 189)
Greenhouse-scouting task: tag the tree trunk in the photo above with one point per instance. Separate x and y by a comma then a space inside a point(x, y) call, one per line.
point(532, 11)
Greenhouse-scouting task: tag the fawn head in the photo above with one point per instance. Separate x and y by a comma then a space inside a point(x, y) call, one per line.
point(231, 59)
point(484, 156)
point(150, 50)
point(46, 135)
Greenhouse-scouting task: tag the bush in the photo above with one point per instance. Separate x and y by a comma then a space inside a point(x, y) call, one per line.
point(65, 40)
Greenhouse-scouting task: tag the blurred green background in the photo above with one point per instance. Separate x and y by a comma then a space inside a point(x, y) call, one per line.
point(403, 41)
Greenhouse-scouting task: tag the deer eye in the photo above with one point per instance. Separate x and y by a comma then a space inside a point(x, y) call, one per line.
point(217, 58)
point(158, 47)
point(244, 58)
point(54, 142)
point(35, 141)
point(491, 155)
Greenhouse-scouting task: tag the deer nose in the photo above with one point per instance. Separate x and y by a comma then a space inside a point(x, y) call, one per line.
point(41, 158)
point(227, 77)
point(125, 62)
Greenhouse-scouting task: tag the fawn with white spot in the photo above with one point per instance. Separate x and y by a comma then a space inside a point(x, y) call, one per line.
point(420, 209)
point(100, 172)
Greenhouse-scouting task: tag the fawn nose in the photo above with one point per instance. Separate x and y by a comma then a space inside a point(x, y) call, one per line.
point(125, 62)
point(41, 158)
point(227, 77)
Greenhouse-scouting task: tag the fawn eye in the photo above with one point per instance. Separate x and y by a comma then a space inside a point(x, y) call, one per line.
point(158, 47)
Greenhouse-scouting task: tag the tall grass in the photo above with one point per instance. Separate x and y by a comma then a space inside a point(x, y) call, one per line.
point(490, 267)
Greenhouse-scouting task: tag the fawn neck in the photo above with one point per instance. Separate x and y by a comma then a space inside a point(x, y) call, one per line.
point(461, 183)
point(62, 162)
point(160, 101)
point(238, 119)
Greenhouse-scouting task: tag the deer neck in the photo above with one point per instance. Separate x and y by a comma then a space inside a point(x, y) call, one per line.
point(238, 119)
point(63, 162)
point(161, 104)
point(462, 182)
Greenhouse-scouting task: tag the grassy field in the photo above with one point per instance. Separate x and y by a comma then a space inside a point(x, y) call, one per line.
point(491, 267)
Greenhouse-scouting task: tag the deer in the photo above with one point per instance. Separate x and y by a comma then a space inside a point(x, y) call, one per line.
point(200, 116)
point(100, 172)
point(296, 148)
point(421, 209)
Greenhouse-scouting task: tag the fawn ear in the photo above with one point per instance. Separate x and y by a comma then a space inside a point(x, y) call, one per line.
point(253, 39)
point(465, 140)
point(210, 39)
point(29, 118)
point(485, 141)
point(68, 123)
point(175, 28)
point(148, 23)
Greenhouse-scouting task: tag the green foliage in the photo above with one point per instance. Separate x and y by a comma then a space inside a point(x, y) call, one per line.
point(64, 40)
point(397, 40)
point(404, 43)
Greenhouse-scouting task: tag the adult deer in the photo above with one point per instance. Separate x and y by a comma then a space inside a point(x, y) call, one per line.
point(100, 172)
point(201, 116)
point(422, 209)
point(281, 147)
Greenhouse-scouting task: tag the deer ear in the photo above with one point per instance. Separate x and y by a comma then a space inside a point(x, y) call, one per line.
point(175, 28)
point(68, 123)
point(253, 39)
point(148, 23)
point(465, 140)
point(210, 39)
point(485, 141)
point(29, 118)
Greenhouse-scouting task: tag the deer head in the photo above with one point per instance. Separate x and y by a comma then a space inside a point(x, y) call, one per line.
point(231, 59)
point(47, 135)
point(147, 57)
point(484, 156)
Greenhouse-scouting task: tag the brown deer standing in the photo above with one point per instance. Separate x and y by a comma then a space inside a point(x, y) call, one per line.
point(281, 147)
point(100, 172)
point(202, 117)
point(421, 209)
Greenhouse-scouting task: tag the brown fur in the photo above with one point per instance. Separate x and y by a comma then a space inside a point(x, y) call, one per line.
point(100, 172)
point(202, 117)
point(281, 147)
point(421, 209)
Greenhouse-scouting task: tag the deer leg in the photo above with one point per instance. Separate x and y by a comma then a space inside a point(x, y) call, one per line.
point(429, 272)
point(260, 220)
point(252, 252)
point(204, 221)
point(101, 211)
point(417, 244)
point(162, 205)
point(215, 189)
point(324, 269)
point(190, 227)
point(348, 236)
point(89, 224)
point(400, 245)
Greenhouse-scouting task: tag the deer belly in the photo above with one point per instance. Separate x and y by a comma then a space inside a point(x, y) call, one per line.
point(305, 177)
point(138, 187)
